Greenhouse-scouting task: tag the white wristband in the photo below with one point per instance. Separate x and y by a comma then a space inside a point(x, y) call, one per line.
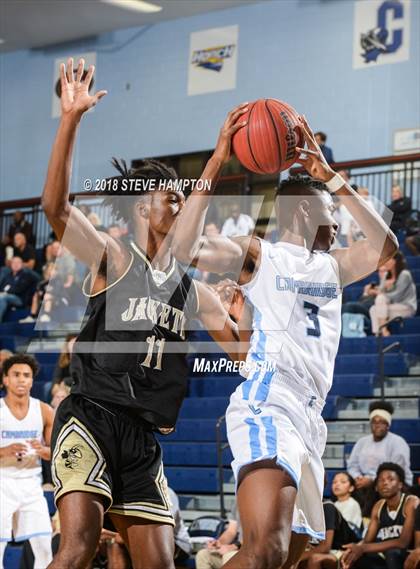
point(335, 183)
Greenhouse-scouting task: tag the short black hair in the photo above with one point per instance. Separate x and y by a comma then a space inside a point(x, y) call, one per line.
point(385, 405)
point(322, 135)
point(300, 185)
point(399, 471)
point(145, 170)
point(21, 359)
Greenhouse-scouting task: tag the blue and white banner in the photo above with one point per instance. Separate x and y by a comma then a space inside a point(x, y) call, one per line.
point(381, 32)
point(212, 60)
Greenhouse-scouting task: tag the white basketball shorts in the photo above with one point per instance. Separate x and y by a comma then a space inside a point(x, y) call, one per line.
point(23, 509)
point(274, 418)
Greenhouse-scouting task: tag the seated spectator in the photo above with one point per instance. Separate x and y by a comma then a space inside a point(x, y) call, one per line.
point(62, 369)
point(20, 225)
point(343, 487)
point(327, 553)
point(24, 251)
point(237, 224)
point(321, 139)
point(413, 243)
point(413, 560)
point(39, 294)
point(219, 551)
point(96, 221)
point(395, 296)
point(15, 286)
point(372, 450)
point(211, 229)
point(59, 392)
point(61, 292)
point(400, 207)
point(391, 526)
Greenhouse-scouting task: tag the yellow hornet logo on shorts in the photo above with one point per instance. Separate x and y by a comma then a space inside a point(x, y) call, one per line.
point(71, 456)
point(212, 57)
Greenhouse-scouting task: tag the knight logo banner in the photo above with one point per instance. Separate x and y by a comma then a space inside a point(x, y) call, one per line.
point(381, 32)
point(212, 60)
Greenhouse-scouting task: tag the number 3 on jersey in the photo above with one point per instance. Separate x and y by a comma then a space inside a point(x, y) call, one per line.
point(160, 345)
point(312, 312)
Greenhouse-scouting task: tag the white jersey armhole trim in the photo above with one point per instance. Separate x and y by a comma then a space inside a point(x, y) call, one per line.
point(110, 285)
point(196, 295)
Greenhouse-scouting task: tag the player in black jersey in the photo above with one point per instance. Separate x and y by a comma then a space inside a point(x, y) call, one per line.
point(390, 530)
point(128, 367)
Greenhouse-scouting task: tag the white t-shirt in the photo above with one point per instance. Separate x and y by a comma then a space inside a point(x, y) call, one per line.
point(350, 510)
point(242, 226)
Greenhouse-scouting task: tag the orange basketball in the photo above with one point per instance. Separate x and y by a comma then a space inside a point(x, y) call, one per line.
point(267, 143)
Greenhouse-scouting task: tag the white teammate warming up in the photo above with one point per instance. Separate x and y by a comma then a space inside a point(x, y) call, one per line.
point(25, 431)
point(274, 423)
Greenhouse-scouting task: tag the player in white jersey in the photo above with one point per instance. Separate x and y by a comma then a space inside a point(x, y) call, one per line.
point(25, 431)
point(274, 423)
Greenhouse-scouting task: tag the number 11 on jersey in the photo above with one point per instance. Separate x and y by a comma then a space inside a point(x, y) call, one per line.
point(160, 345)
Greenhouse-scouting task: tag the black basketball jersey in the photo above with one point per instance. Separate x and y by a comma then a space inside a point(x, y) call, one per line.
point(132, 349)
point(391, 523)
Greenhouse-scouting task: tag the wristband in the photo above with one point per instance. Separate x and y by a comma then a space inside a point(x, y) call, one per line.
point(335, 183)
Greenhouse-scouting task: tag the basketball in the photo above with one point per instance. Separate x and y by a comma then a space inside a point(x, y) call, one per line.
point(267, 144)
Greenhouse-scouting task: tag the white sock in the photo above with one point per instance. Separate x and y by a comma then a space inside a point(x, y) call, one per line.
point(41, 546)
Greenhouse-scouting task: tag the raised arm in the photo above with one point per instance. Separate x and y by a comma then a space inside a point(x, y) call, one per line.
point(218, 254)
point(365, 256)
point(69, 224)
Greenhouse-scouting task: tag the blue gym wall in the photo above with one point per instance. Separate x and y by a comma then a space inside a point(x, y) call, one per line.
point(296, 50)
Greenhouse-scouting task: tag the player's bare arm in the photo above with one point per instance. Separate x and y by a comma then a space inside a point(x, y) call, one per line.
point(216, 254)
point(217, 320)
point(80, 237)
point(365, 256)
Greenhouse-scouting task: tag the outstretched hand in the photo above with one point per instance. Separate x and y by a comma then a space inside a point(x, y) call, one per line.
point(75, 97)
point(223, 149)
point(314, 163)
point(231, 297)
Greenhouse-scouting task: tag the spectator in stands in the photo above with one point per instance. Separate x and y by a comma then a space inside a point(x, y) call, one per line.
point(372, 450)
point(343, 216)
point(39, 294)
point(96, 221)
point(219, 551)
point(390, 530)
point(62, 369)
point(413, 243)
point(20, 225)
point(238, 223)
point(60, 392)
point(321, 139)
point(24, 251)
point(61, 292)
point(400, 207)
point(343, 487)
point(355, 233)
point(14, 286)
point(395, 296)
point(413, 560)
point(4, 355)
point(211, 229)
point(114, 231)
point(327, 553)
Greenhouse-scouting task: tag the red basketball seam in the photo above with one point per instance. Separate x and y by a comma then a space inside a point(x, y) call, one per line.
point(275, 129)
point(249, 142)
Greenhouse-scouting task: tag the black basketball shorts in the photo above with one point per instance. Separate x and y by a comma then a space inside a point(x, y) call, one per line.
point(98, 448)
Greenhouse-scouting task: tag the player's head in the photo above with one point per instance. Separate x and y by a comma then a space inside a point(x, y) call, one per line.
point(18, 374)
point(150, 207)
point(342, 485)
point(305, 207)
point(390, 479)
point(380, 416)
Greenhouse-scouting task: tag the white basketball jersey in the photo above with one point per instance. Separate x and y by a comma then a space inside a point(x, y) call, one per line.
point(296, 296)
point(12, 431)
